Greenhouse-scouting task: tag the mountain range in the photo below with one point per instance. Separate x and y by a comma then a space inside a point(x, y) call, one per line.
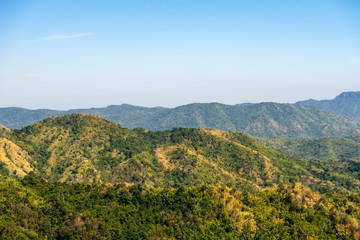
point(263, 119)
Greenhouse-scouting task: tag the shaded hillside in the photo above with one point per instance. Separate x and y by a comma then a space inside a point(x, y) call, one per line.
point(346, 104)
point(264, 119)
point(86, 148)
point(323, 149)
point(37, 209)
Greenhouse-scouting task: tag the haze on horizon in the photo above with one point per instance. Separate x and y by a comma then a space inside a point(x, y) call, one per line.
point(92, 53)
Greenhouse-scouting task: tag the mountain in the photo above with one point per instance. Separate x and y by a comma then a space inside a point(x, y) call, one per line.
point(346, 104)
point(125, 114)
point(89, 178)
point(264, 119)
point(81, 148)
point(87, 148)
point(323, 149)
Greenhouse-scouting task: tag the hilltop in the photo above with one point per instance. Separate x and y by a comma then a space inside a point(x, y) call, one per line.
point(264, 119)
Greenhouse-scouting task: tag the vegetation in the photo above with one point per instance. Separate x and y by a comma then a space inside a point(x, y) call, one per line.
point(323, 149)
point(36, 209)
point(346, 104)
point(86, 148)
point(83, 177)
point(264, 119)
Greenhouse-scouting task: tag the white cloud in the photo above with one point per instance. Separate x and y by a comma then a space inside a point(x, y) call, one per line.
point(59, 37)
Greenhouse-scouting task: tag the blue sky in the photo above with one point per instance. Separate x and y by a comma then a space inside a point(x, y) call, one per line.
point(71, 54)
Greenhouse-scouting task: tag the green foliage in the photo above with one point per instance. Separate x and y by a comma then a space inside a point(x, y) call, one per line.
point(97, 180)
point(38, 209)
point(323, 149)
point(3, 170)
point(86, 148)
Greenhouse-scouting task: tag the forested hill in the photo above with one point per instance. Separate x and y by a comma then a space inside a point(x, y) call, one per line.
point(264, 119)
point(346, 104)
point(86, 148)
point(83, 177)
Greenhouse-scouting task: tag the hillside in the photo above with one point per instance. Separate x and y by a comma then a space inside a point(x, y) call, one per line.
point(323, 149)
point(264, 119)
point(346, 104)
point(13, 159)
point(2, 128)
point(37, 209)
point(82, 148)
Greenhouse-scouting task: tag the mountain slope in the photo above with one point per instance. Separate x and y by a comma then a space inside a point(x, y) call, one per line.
point(86, 148)
point(346, 104)
point(13, 159)
point(323, 149)
point(265, 119)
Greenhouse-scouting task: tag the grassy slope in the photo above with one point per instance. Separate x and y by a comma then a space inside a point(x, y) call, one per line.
point(14, 159)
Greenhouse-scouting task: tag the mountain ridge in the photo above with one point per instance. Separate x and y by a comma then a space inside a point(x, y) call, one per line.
point(346, 104)
point(263, 119)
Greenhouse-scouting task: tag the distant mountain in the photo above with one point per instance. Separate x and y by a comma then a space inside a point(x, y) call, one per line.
point(346, 104)
point(244, 104)
point(124, 114)
point(263, 119)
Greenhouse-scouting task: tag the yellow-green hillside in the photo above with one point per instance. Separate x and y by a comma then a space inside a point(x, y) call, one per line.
point(14, 159)
point(87, 148)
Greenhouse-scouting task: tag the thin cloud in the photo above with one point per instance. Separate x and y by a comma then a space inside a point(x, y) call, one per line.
point(60, 37)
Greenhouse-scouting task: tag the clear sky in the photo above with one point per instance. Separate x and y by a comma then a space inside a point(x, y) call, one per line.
point(64, 54)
